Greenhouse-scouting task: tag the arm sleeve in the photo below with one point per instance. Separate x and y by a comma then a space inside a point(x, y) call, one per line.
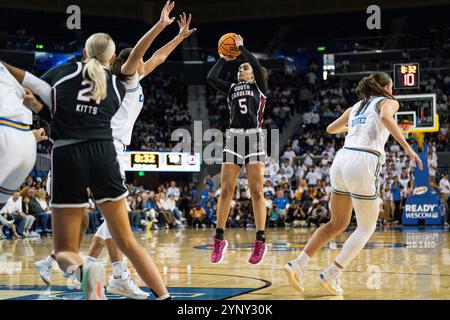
point(257, 69)
point(39, 87)
point(214, 80)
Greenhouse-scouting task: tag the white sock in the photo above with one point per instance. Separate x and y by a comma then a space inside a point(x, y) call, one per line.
point(90, 259)
point(164, 297)
point(302, 260)
point(332, 271)
point(118, 268)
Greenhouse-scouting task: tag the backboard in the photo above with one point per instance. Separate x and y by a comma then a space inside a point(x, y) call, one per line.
point(418, 110)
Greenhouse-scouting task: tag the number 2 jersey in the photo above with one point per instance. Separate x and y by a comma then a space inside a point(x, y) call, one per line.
point(246, 103)
point(75, 115)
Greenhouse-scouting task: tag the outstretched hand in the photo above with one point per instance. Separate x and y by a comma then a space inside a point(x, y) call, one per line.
point(165, 12)
point(183, 24)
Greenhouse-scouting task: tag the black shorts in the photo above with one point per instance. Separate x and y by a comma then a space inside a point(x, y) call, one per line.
point(244, 146)
point(89, 164)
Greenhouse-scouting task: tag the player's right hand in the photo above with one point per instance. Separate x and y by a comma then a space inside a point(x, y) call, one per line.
point(165, 12)
point(414, 157)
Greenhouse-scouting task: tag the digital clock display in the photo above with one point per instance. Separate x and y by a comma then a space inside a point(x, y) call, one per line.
point(406, 76)
point(144, 160)
point(162, 161)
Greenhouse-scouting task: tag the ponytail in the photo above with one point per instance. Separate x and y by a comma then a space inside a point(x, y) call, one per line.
point(93, 70)
point(373, 85)
point(99, 50)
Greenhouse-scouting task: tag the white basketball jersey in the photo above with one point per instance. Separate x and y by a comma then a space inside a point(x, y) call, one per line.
point(123, 121)
point(365, 129)
point(11, 105)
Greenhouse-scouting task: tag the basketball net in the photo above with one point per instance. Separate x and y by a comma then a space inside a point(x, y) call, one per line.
point(405, 127)
point(418, 136)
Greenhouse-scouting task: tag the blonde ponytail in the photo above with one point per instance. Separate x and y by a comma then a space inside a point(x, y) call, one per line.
point(99, 50)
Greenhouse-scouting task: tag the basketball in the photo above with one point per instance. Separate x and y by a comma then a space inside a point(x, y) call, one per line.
point(227, 46)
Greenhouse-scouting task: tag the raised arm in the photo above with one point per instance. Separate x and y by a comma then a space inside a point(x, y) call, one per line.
point(340, 125)
point(213, 76)
point(132, 63)
point(162, 53)
point(258, 71)
point(388, 108)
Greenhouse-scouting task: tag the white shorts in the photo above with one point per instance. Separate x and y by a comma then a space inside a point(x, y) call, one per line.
point(120, 148)
point(355, 173)
point(17, 159)
point(103, 231)
point(48, 185)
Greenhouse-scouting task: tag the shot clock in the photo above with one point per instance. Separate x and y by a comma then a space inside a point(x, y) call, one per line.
point(406, 76)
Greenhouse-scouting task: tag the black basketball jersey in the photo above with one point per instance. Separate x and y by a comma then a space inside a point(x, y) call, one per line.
point(246, 103)
point(75, 115)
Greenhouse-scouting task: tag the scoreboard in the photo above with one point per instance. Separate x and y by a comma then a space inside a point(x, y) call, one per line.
point(162, 161)
point(406, 76)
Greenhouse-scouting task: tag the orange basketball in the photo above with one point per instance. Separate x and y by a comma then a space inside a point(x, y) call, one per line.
point(227, 46)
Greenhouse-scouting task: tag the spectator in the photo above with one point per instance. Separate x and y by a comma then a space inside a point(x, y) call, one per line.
point(30, 219)
point(289, 154)
point(295, 215)
point(444, 189)
point(173, 190)
point(34, 208)
point(275, 217)
point(13, 217)
point(282, 202)
point(210, 214)
point(318, 216)
point(388, 203)
point(198, 216)
point(396, 189)
point(209, 182)
point(165, 217)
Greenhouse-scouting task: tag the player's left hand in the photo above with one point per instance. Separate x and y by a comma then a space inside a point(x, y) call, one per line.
point(239, 40)
point(40, 135)
point(183, 24)
point(165, 19)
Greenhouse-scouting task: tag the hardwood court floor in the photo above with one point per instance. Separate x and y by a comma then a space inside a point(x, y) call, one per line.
point(411, 263)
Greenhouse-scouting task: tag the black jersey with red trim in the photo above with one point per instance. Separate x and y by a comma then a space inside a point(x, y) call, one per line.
point(75, 115)
point(246, 104)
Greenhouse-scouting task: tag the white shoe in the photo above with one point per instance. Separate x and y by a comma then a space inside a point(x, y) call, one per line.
point(93, 281)
point(26, 234)
point(125, 286)
point(330, 281)
point(295, 275)
point(35, 234)
point(44, 270)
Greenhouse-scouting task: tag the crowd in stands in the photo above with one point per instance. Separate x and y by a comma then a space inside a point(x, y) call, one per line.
point(165, 109)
